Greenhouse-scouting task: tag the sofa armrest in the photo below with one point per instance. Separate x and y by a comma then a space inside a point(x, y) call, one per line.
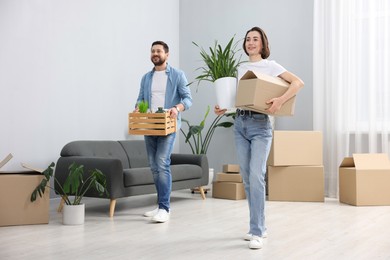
point(111, 168)
point(197, 159)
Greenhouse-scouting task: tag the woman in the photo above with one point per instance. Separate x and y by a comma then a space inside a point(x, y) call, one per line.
point(253, 131)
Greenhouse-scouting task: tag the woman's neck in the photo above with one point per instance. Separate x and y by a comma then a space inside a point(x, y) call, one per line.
point(255, 58)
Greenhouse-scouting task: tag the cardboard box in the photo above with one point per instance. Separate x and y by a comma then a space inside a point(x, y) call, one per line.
point(296, 183)
point(151, 124)
point(16, 207)
point(228, 190)
point(364, 180)
point(255, 89)
point(228, 177)
point(231, 168)
point(5, 160)
point(296, 148)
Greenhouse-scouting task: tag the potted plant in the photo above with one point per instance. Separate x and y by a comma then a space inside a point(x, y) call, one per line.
point(76, 185)
point(220, 67)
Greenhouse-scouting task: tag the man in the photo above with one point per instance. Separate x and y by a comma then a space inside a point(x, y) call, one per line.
point(164, 86)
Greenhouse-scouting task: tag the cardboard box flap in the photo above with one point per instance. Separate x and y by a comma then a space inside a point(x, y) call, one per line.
point(347, 162)
point(371, 161)
point(249, 75)
point(5, 160)
point(256, 75)
point(31, 168)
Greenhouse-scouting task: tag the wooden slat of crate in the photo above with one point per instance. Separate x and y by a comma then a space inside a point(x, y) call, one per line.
point(151, 124)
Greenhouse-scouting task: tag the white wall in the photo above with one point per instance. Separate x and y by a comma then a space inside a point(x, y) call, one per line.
point(70, 70)
point(289, 27)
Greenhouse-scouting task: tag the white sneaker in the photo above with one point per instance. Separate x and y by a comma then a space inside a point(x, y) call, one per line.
point(161, 216)
point(256, 242)
point(249, 236)
point(151, 213)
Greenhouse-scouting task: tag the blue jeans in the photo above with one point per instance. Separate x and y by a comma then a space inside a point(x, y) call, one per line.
point(159, 150)
point(253, 136)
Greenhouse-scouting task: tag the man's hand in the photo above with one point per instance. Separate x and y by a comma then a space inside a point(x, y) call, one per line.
point(173, 112)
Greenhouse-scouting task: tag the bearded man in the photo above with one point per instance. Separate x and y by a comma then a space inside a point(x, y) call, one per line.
point(167, 87)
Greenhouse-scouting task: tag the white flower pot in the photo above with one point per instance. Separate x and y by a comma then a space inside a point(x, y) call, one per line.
point(211, 176)
point(225, 89)
point(73, 214)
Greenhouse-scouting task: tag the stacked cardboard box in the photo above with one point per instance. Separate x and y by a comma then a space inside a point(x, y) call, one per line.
point(364, 180)
point(228, 183)
point(295, 167)
point(15, 192)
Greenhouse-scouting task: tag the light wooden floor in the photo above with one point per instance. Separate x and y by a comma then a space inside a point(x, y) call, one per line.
point(209, 229)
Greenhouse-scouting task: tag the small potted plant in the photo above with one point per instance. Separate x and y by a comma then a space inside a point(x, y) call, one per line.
point(143, 106)
point(76, 185)
point(220, 67)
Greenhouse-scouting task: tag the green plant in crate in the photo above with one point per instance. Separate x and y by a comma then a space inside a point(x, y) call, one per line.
point(198, 143)
point(143, 106)
point(76, 184)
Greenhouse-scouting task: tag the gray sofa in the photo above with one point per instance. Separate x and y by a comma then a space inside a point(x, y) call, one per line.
point(126, 166)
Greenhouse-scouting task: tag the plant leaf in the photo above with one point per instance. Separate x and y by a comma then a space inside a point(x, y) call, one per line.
point(194, 138)
point(225, 124)
point(40, 189)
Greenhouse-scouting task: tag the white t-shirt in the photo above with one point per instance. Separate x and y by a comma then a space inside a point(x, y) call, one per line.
point(264, 66)
point(159, 85)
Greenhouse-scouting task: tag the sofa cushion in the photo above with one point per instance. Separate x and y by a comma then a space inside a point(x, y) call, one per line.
point(143, 176)
point(103, 149)
point(181, 172)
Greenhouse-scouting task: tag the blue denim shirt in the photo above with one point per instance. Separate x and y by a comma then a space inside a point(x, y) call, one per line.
point(176, 91)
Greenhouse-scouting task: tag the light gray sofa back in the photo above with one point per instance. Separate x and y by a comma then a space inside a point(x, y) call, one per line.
point(102, 149)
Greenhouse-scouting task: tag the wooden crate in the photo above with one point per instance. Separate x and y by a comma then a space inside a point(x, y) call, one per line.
point(151, 124)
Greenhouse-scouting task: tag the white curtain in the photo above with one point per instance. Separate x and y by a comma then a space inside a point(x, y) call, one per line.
point(351, 80)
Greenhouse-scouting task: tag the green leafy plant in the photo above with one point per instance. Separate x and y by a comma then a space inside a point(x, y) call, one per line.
point(194, 137)
point(76, 184)
point(220, 62)
point(143, 106)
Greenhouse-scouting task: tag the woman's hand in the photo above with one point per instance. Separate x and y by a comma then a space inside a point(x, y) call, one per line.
point(276, 105)
point(219, 111)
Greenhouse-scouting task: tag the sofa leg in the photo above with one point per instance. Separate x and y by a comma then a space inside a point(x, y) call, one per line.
point(202, 192)
point(112, 207)
point(62, 202)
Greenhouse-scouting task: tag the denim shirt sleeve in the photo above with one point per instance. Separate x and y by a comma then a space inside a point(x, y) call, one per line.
point(177, 90)
point(144, 91)
point(184, 91)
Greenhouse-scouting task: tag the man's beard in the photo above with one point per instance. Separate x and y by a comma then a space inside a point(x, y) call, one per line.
point(159, 62)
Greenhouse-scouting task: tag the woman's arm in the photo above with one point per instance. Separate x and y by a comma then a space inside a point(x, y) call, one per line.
point(295, 85)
